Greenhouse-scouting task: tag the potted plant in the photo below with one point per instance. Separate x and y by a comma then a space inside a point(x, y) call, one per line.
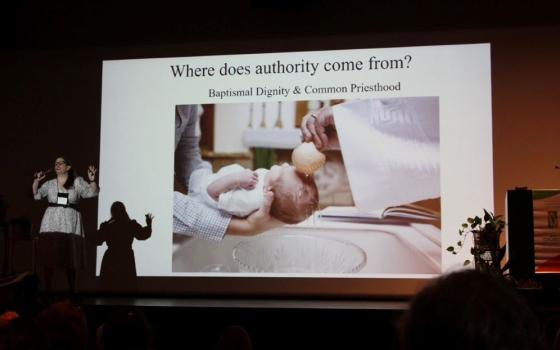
point(486, 233)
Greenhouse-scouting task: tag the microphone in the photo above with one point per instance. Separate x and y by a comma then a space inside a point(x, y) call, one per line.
point(48, 171)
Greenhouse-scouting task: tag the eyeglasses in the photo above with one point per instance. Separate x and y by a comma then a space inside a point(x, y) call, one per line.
point(60, 163)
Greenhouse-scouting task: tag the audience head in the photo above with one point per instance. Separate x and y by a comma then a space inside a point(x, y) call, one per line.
point(7, 317)
point(64, 325)
point(22, 334)
point(234, 338)
point(125, 329)
point(469, 310)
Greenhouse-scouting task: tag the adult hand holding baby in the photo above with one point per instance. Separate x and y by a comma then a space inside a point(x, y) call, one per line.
point(261, 219)
point(257, 222)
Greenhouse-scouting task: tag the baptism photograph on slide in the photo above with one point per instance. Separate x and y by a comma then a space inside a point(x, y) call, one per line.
point(322, 184)
point(319, 187)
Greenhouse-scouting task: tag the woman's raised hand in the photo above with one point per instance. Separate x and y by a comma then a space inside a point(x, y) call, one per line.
point(149, 218)
point(40, 175)
point(91, 173)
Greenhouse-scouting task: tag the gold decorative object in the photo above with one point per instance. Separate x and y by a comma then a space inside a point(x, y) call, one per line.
point(307, 159)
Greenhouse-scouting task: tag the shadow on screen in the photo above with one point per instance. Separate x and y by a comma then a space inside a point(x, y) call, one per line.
point(118, 267)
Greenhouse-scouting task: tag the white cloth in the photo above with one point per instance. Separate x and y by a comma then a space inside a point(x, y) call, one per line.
point(390, 149)
point(238, 202)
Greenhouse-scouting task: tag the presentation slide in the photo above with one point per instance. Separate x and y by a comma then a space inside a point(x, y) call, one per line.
point(200, 149)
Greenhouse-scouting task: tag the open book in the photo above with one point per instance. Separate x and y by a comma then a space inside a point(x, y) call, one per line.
point(407, 213)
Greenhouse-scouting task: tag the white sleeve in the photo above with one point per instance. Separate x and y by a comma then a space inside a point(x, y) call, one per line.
point(390, 149)
point(229, 169)
point(84, 188)
point(242, 202)
point(200, 178)
point(42, 191)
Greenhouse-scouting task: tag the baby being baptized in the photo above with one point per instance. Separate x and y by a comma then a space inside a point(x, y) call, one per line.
point(240, 191)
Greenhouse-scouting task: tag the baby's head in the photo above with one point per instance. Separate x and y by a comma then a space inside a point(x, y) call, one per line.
point(295, 194)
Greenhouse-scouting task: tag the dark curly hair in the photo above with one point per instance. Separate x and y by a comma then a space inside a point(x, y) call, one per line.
point(71, 173)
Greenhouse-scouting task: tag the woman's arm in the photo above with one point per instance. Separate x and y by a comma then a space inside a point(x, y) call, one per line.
point(91, 177)
point(100, 235)
point(143, 233)
point(35, 186)
point(87, 189)
point(93, 187)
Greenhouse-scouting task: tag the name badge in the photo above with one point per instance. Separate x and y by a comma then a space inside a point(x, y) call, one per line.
point(62, 198)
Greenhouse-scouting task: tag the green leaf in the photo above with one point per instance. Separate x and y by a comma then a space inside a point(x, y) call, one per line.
point(465, 225)
point(470, 220)
point(467, 262)
point(450, 249)
point(459, 243)
point(487, 216)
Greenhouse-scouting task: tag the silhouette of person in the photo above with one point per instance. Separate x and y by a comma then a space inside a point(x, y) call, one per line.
point(118, 267)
